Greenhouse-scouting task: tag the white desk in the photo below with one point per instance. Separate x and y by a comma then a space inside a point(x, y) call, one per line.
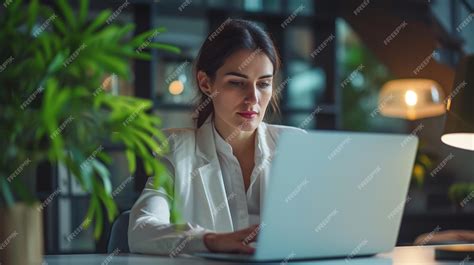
point(401, 255)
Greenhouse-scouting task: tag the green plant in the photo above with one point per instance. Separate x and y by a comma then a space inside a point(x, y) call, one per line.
point(361, 76)
point(461, 193)
point(53, 108)
point(423, 164)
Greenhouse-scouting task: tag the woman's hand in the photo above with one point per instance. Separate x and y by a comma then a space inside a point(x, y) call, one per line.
point(445, 236)
point(235, 242)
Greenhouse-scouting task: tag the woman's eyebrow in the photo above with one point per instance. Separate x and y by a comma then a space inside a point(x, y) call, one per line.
point(265, 76)
point(237, 74)
point(245, 76)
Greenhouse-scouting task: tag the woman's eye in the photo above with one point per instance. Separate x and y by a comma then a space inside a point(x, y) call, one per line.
point(236, 83)
point(264, 84)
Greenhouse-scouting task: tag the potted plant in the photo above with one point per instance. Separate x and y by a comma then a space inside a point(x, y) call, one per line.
point(53, 108)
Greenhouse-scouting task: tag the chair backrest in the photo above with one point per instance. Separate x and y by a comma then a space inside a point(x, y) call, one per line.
point(119, 234)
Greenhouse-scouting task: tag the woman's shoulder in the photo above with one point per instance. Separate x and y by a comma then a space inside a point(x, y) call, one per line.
point(179, 142)
point(277, 129)
point(273, 131)
point(179, 131)
point(179, 135)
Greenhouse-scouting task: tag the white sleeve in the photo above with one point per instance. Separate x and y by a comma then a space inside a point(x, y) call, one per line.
point(150, 230)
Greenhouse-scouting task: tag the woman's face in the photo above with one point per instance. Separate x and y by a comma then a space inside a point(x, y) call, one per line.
point(241, 90)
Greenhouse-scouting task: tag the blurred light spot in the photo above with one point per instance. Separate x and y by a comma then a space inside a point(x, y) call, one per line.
point(176, 87)
point(358, 81)
point(182, 78)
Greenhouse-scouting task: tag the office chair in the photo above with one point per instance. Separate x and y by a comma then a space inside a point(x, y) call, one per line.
point(118, 238)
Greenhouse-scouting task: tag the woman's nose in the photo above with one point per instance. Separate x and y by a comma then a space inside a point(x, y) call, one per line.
point(251, 96)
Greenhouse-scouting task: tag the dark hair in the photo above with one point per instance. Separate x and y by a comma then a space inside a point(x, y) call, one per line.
point(231, 36)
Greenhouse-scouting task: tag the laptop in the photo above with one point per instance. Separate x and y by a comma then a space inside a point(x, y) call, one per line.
point(332, 195)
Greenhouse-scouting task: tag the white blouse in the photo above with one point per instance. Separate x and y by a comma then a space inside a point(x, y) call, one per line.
point(244, 206)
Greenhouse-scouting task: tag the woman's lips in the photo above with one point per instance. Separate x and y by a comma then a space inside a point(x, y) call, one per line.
point(248, 114)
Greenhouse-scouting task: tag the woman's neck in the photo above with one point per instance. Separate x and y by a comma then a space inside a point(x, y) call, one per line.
point(242, 142)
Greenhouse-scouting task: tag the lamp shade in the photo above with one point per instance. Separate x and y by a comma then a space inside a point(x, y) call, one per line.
point(459, 125)
point(411, 99)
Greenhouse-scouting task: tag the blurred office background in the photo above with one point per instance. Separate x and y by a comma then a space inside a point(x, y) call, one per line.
point(335, 63)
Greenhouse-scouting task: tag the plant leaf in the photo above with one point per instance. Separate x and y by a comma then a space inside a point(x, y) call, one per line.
point(83, 8)
point(6, 192)
point(32, 14)
point(99, 21)
point(132, 162)
point(104, 175)
point(68, 13)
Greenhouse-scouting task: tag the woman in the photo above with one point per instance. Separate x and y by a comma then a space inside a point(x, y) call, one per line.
point(220, 169)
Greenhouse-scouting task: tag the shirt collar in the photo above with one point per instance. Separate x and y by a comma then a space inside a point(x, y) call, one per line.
point(261, 148)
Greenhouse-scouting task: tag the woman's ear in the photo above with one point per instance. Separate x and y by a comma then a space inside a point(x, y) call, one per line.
point(204, 82)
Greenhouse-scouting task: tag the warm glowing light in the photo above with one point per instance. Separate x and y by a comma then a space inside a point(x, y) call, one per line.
point(176, 87)
point(411, 98)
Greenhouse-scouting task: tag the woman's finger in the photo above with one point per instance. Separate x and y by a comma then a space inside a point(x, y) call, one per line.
point(466, 235)
point(250, 234)
point(445, 236)
point(245, 249)
point(244, 232)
